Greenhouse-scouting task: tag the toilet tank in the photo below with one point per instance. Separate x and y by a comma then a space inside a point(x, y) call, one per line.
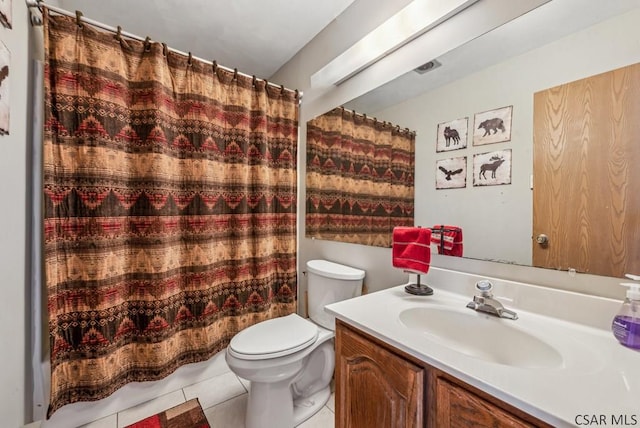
point(327, 283)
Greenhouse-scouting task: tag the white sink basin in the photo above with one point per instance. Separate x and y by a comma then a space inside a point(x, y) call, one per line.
point(482, 336)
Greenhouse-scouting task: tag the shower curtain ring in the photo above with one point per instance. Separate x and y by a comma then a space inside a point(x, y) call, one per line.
point(164, 49)
point(147, 44)
point(215, 66)
point(190, 60)
point(235, 74)
point(253, 81)
point(79, 18)
point(119, 39)
point(282, 89)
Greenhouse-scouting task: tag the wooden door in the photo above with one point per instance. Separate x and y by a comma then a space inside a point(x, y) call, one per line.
point(374, 387)
point(586, 163)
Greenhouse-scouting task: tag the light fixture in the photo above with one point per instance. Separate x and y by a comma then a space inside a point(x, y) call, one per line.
point(412, 21)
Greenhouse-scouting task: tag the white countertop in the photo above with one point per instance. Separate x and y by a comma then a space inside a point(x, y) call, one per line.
point(598, 378)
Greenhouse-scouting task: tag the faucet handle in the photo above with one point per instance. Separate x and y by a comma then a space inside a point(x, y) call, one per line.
point(484, 286)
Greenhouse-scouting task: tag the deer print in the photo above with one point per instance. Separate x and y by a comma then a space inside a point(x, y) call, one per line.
point(451, 134)
point(494, 163)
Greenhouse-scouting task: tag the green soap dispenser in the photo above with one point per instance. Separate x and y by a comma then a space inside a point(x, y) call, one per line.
point(626, 324)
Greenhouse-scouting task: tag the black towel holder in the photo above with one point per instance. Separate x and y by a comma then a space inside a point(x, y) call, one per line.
point(441, 230)
point(418, 289)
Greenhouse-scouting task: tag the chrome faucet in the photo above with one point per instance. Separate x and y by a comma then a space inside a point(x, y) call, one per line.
point(484, 302)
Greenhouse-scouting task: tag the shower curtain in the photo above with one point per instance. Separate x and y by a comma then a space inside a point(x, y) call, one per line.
point(359, 178)
point(170, 210)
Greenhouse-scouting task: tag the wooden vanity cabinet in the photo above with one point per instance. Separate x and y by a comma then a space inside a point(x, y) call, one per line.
point(380, 386)
point(375, 387)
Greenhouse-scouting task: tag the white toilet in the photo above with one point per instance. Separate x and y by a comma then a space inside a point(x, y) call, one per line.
point(290, 360)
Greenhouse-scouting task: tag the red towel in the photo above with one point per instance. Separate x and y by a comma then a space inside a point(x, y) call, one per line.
point(448, 239)
point(410, 248)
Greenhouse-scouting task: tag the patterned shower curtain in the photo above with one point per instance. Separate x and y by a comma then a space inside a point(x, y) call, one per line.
point(170, 211)
point(359, 178)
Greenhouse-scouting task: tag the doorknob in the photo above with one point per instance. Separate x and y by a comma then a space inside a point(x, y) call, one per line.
point(542, 239)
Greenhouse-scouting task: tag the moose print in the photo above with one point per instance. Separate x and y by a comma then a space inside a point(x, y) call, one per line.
point(493, 164)
point(451, 134)
point(492, 125)
point(497, 163)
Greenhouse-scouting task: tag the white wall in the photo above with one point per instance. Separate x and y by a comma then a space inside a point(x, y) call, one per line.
point(377, 261)
point(359, 19)
point(497, 219)
point(476, 20)
point(611, 44)
point(14, 311)
point(364, 15)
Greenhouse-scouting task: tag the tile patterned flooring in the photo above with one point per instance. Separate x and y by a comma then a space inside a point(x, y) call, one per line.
point(223, 398)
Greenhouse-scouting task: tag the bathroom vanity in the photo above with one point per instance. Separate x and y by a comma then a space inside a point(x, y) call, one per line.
point(402, 391)
point(407, 361)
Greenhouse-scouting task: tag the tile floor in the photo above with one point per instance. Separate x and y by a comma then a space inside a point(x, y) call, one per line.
point(223, 398)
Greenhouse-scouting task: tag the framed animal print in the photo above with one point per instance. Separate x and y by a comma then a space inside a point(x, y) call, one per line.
point(493, 126)
point(5, 13)
point(5, 106)
point(492, 168)
point(451, 173)
point(452, 135)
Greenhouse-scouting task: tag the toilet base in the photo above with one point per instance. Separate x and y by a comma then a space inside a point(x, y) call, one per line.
point(304, 408)
point(279, 409)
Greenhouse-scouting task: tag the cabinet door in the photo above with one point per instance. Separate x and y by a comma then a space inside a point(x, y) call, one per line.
point(374, 387)
point(457, 407)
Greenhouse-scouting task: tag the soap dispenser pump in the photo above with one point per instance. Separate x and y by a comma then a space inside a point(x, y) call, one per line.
point(626, 324)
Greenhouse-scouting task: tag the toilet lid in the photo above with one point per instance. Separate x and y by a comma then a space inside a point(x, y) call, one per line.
point(274, 338)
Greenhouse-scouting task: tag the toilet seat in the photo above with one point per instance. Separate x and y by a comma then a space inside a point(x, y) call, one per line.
point(274, 338)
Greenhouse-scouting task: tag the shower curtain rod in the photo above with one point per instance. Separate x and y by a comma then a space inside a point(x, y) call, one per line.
point(375, 119)
point(37, 21)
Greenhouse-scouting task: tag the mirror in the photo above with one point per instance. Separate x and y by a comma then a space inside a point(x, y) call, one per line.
point(557, 43)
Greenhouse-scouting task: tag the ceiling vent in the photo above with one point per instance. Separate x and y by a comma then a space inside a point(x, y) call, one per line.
point(427, 67)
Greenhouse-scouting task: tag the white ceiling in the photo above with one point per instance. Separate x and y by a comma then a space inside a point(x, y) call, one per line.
point(542, 25)
point(255, 36)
